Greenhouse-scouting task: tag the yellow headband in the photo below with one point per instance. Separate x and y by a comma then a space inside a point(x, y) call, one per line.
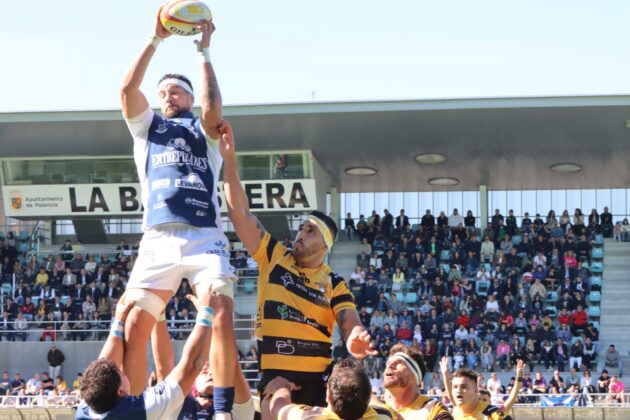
point(323, 229)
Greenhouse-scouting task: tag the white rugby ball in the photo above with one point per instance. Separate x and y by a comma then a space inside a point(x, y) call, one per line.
point(180, 17)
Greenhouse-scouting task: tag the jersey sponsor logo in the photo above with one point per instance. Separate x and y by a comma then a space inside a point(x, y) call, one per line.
point(284, 312)
point(219, 249)
point(295, 347)
point(160, 183)
point(191, 182)
point(161, 129)
point(282, 277)
point(201, 213)
point(197, 203)
point(179, 153)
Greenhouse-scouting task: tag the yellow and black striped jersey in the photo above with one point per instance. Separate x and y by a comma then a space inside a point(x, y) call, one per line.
point(296, 310)
point(483, 411)
point(425, 408)
point(305, 412)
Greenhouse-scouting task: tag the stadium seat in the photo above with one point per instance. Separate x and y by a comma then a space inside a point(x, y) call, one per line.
point(2, 236)
point(594, 297)
point(411, 298)
point(517, 240)
point(400, 297)
point(596, 281)
point(445, 255)
point(597, 253)
point(446, 267)
point(552, 297)
point(599, 239)
point(597, 268)
point(594, 312)
point(24, 235)
point(415, 227)
point(5, 288)
point(552, 311)
point(23, 248)
point(488, 267)
point(249, 286)
point(481, 288)
point(595, 324)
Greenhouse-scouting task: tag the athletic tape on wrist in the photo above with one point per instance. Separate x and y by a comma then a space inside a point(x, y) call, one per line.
point(117, 329)
point(205, 316)
point(155, 40)
point(204, 53)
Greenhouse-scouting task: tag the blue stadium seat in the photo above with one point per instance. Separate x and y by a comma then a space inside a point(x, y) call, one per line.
point(23, 248)
point(517, 240)
point(24, 235)
point(552, 297)
point(2, 235)
point(597, 253)
point(597, 268)
point(599, 239)
point(594, 297)
point(488, 267)
point(411, 298)
point(596, 281)
point(445, 255)
point(594, 312)
point(5, 289)
point(446, 267)
point(481, 288)
point(415, 227)
point(249, 286)
point(552, 311)
point(399, 296)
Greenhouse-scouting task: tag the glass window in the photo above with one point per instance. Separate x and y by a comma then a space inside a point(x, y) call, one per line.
point(618, 204)
point(366, 203)
point(558, 201)
point(471, 202)
point(381, 202)
point(514, 202)
point(603, 200)
point(528, 203)
point(589, 202)
point(397, 203)
point(440, 203)
point(543, 202)
point(574, 201)
point(455, 202)
point(410, 200)
point(498, 199)
point(426, 202)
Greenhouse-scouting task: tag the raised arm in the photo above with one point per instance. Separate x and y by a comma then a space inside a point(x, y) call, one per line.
point(518, 383)
point(357, 338)
point(133, 100)
point(446, 379)
point(114, 348)
point(211, 103)
point(247, 227)
point(197, 347)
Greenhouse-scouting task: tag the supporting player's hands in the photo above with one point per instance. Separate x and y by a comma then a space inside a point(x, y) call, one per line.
point(520, 364)
point(206, 298)
point(226, 141)
point(160, 30)
point(360, 344)
point(122, 308)
point(444, 366)
point(207, 28)
point(278, 383)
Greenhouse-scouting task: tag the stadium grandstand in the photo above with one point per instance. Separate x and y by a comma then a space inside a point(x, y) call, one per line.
point(483, 230)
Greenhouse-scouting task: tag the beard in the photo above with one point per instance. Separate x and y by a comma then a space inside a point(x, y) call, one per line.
point(395, 382)
point(173, 111)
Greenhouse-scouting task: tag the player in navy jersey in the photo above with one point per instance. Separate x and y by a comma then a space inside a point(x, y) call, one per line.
point(106, 391)
point(178, 165)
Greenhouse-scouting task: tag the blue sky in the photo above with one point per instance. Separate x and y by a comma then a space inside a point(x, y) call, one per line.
point(72, 55)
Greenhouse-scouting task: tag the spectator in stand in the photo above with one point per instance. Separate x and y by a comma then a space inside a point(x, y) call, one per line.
point(603, 382)
point(77, 264)
point(20, 325)
point(503, 354)
point(404, 334)
point(579, 320)
point(67, 246)
point(401, 221)
point(539, 384)
point(556, 384)
point(5, 383)
point(613, 359)
point(40, 281)
point(55, 359)
point(48, 385)
point(560, 354)
point(6, 327)
point(615, 390)
point(487, 249)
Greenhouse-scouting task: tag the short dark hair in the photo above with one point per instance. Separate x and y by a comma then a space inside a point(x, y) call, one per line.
point(99, 387)
point(466, 373)
point(330, 223)
point(178, 77)
point(485, 392)
point(350, 390)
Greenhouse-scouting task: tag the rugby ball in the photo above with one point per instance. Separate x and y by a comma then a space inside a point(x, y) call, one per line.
point(180, 17)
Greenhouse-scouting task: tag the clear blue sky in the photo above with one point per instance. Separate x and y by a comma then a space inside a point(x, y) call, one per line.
point(71, 55)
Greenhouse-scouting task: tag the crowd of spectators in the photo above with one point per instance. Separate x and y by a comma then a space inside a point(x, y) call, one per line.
point(72, 295)
point(40, 390)
point(483, 299)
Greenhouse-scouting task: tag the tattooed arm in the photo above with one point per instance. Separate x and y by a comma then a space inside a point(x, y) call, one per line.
point(211, 113)
point(246, 225)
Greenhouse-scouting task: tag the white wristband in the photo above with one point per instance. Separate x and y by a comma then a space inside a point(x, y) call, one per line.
point(155, 41)
point(204, 53)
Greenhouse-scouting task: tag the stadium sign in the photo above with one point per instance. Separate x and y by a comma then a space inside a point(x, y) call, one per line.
point(124, 199)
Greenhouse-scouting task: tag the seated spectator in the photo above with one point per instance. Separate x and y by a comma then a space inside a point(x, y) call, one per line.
point(556, 384)
point(560, 354)
point(537, 289)
point(615, 390)
point(404, 334)
point(613, 359)
point(398, 281)
point(603, 382)
point(540, 384)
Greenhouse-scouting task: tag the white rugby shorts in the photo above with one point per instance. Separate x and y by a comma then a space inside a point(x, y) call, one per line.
point(171, 252)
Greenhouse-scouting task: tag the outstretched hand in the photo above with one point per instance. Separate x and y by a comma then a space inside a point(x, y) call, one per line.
point(160, 30)
point(205, 298)
point(226, 141)
point(360, 344)
point(444, 366)
point(207, 28)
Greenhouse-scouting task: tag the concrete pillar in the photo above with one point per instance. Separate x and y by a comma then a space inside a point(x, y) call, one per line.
point(335, 207)
point(483, 207)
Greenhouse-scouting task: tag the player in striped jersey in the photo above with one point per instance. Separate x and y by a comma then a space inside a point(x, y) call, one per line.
point(348, 397)
point(403, 375)
point(299, 297)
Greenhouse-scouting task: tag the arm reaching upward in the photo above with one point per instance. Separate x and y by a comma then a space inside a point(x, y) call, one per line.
point(246, 225)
